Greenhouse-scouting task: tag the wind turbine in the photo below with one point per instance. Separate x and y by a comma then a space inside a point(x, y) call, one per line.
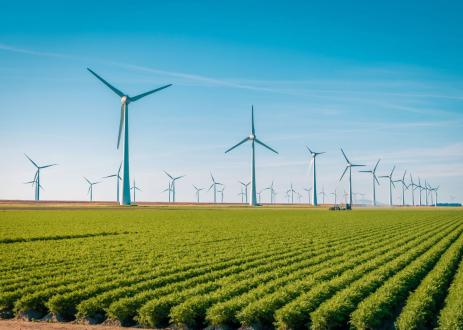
point(221, 193)
point(241, 193)
point(391, 183)
point(252, 137)
point(404, 186)
point(420, 188)
point(245, 186)
point(259, 195)
point(90, 188)
point(33, 182)
point(37, 176)
point(299, 197)
point(375, 180)
point(414, 186)
point(314, 174)
point(168, 189)
point(124, 122)
point(308, 193)
point(349, 167)
point(214, 185)
point(335, 194)
point(323, 195)
point(134, 188)
point(272, 192)
point(435, 192)
point(172, 184)
point(198, 190)
point(426, 191)
point(291, 191)
point(118, 179)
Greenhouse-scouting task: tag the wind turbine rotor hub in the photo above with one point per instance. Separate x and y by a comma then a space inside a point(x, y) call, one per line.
point(125, 99)
point(252, 137)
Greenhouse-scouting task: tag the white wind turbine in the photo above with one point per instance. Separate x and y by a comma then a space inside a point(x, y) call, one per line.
point(314, 173)
point(253, 139)
point(349, 167)
point(290, 192)
point(214, 187)
point(124, 122)
point(323, 194)
point(374, 179)
point(309, 193)
point(245, 187)
point(391, 183)
point(172, 184)
point(118, 179)
point(197, 191)
point(413, 188)
point(90, 188)
point(134, 188)
point(37, 176)
point(169, 190)
point(404, 186)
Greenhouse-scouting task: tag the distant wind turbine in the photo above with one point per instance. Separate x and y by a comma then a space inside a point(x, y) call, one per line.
point(309, 193)
point(291, 192)
point(404, 186)
point(197, 191)
point(391, 183)
point(335, 194)
point(37, 176)
point(214, 187)
point(323, 195)
point(221, 193)
point(349, 167)
point(413, 188)
point(172, 184)
point(134, 188)
point(124, 122)
point(314, 173)
point(169, 190)
point(118, 179)
point(374, 179)
point(245, 186)
point(252, 137)
point(90, 188)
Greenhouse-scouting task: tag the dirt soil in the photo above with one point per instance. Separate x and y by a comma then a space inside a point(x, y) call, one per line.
point(25, 325)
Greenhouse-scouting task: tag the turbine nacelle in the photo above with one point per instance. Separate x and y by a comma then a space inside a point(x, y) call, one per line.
point(125, 99)
point(252, 137)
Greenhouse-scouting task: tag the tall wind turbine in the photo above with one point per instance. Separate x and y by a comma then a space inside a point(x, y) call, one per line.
point(134, 188)
point(214, 187)
point(323, 195)
point(375, 180)
point(221, 193)
point(252, 137)
point(349, 167)
point(391, 183)
point(335, 194)
point(33, 183)
point(118, 179)
point(435, 192)
point(314, 173)
point(272, 192)
point(420, 188)
point(197, 190)
point(413, 187)
point(426, 188)
point(404, 186)
point(172, 184)
point(241, 193)
point(124, 122)
point(90, 188)
point(37, 176)
point(245, 187)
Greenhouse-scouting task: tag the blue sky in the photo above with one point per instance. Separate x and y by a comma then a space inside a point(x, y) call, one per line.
point(381, 79)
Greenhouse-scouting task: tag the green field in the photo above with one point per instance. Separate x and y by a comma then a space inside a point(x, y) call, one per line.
point(268, 267)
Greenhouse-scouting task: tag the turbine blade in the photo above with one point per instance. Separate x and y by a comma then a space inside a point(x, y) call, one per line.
point(170, 176)
point(136, 98)
point(266, 146)
point(32, 161)
point(88, 180)
point(121, 124)
point(109, 176)
point(345, 170)
point(114, 89)
point(238, 144)
point(212, 185)
point(392, 171)
point(376, 179)
point(119, 170)
point(48, 165)
point(179, 177)
point(345, 157)
point(253, 130)
point(374, 169)
point(311, 152)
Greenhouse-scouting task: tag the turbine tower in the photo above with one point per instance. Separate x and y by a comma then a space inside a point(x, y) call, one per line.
point(172, 184)
point(349, 167)
point(375, 180)
point(90, 188)
point(335, 194)
point(168, 189)
point(221, 193)
point(198, 190)
point(118, 179)
point(214, 185)
point(37, 176)
point(413, 186)
point(323, 195)
point(309, 191)
point(252, 137)
point(134, 188)
point(124, 122)
point(391, 183)
point(314, 174)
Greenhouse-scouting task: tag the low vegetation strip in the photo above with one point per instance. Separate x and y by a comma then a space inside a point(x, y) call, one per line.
point(230, 267)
